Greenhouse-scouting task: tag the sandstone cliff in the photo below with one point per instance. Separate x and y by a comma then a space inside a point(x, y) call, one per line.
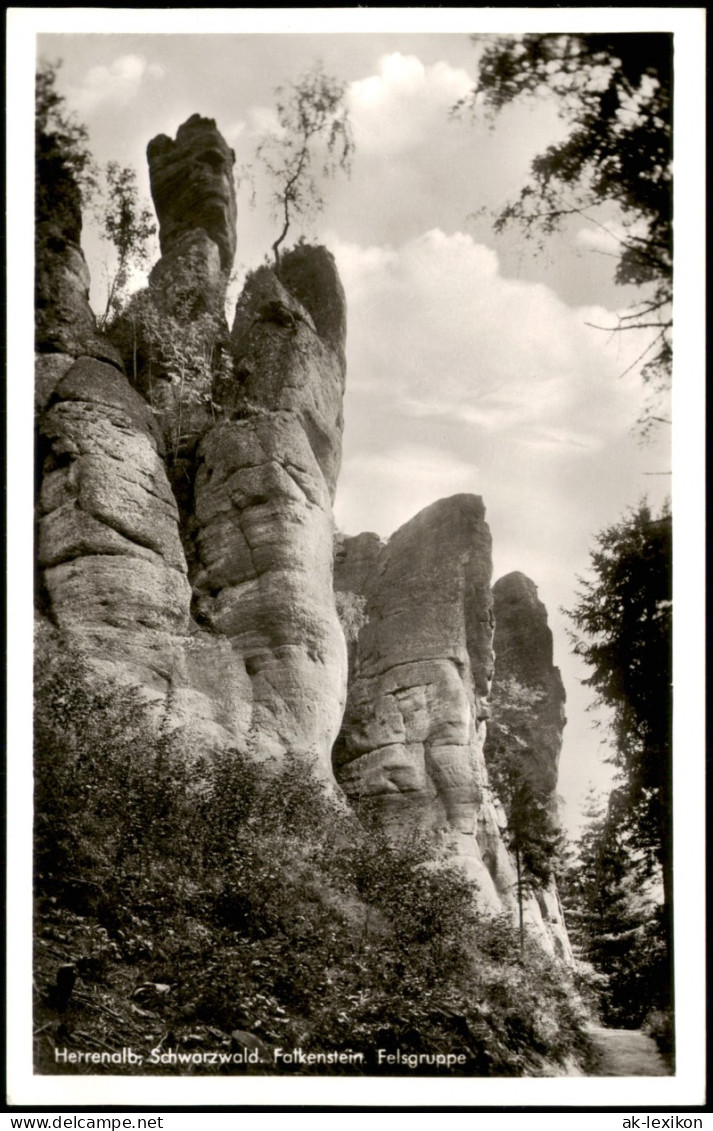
point(411, 750)
point(185, 534)
point(523, 652)
point(198, 565)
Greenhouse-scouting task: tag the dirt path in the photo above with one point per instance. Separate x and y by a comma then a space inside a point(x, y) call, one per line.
point(627, 1052)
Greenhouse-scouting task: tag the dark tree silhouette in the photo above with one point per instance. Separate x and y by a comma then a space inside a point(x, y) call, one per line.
point(615, 93)
point(623, 632)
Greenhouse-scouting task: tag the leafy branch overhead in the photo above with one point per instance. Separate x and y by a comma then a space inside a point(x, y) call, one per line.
point(613, 168)
point(313, 141)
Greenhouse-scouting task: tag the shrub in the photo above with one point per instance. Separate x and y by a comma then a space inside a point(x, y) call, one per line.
point(351, 610)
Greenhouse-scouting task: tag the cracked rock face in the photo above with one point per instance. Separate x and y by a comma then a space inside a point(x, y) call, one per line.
point(411, 745)
point(289, 356)
point(114, 568)
point(263, 524)
point(65, 326)
point(523, 651)
point(192, 187)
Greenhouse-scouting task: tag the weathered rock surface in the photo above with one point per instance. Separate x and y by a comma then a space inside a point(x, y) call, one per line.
point(64, 322)
point(289, 357)
point(245, 488)
point(264, 545)
point(192, 186)
point(65, 326)
point(310, 274)
point(263, 523)
point(523, 652)
point(114, 569)
point(411, 745)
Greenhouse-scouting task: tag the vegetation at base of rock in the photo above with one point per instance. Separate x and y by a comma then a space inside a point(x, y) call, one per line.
point(197, 895)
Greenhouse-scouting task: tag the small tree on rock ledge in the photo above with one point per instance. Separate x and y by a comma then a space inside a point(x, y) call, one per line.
point(313, 127)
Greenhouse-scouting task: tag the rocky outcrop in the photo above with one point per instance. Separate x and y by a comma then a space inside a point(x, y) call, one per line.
point(114, 572)
point(263, 521)
point(239, 640)
point(65, 326)
point(523, 652)
point(192, 185)
point(411, 749)
point(185, 542)
point(411, 744)
point(288, 354)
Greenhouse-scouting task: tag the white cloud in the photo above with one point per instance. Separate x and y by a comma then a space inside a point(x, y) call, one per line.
point(462, 380)
point(395, 110)
point(458, 340)
point(232, 132)
point(118, 83)
point(264, 120)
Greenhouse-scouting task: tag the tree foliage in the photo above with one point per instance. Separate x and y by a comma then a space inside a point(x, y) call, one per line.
point(177, 353)
point(614, 920)
point(623, 627)
point(623, 632)
point(313, 141)
point(63, 160)
point(351, 610)
point(127, 224)
point(532, 832)
point(614, 91)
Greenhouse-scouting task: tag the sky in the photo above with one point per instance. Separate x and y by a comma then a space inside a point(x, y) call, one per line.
point(474, 364)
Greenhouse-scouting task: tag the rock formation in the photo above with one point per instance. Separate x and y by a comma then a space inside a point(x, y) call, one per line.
point(263, 520)
point(197, 563)
point(112, 568)
point(411, 746)
point(65, 327)
point(414, 726)
point(194, 195)
point(114, 572)
point(523, 652)
point(203, 574)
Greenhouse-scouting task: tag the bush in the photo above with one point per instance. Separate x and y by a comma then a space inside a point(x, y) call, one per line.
point(351, 610)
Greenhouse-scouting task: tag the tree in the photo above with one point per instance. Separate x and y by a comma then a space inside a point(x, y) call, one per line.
point(65, 173)
point(313, 128)
point(614, 919)
point(127, 224)
point(68, 180)
point(623, 622)
point(177, 355)
point(615, 93)
point(532, 832)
